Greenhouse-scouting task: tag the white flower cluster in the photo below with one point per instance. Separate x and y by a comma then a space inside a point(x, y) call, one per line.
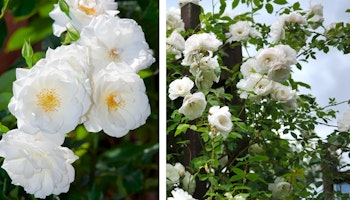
point(177, 176)
point(277, 31)
point(264, 74)
point(93, 81)
point(193, 104)
point(280, 188)
point(241, 31)
point(198, 54)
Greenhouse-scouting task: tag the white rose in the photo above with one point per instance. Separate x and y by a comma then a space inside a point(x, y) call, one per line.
point(317, 15)
point(189, 182)
point(266, 58)
point(172, 176)
point(256, 85)
point(38, 164)
point(174, 21)
point(344, 122)
point(180, 88)
point(51, 97)
point(81, 12)
point(202, 41)
point(180, 169)
point(238, 32)
point(128, 44)
point(279, 72)
point(280, 188)
point(180, 194)
point(120, 102)
point(277, 31)
point(283, 93)
point(193, 105)
point(249, 67)
point(207, 72)
point(220, 118)
point(290, 55)
point(175, 44)
point(294, 17)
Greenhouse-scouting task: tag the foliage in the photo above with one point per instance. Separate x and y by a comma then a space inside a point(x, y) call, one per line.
point(108, 168)
point(267, 139)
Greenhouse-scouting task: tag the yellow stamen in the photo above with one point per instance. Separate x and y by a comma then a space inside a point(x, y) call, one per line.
point(114, 102)
point(87, 10)
point(48, 100)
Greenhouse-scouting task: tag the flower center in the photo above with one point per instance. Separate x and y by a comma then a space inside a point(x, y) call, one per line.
point(48, 100)
point(114, 102)
point(84, 6)
point(114, 54)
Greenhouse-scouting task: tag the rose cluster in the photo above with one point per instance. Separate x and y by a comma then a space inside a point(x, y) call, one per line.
point(264, 74)
point(177, 176)
point(93, 81)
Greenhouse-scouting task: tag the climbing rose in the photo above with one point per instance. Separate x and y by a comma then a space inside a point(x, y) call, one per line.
point(193, 105)
point(220, 118)
point(180, 88)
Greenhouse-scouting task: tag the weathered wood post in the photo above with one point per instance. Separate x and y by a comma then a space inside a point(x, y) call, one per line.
point(190, 15)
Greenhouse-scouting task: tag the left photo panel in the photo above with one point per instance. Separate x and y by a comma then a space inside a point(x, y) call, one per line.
point(79, 99)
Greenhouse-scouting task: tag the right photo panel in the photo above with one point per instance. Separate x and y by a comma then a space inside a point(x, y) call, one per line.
point(256, 103)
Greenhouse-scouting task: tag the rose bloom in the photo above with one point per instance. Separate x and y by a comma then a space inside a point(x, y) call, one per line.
point(255, 86)
point(81, 12)
point(128, 44)
point(317, 15)
point(119, 100)
point(248, 67)
point(283, 93)
point(180, 88)
point(241, 31)
point(220, 118)
point(51, 97)
point(174, 21)
point(172, 176)
point(40, 165)
point(193, 105)
point(180, 194)
point(266, 58)
point(277, 31)
point(175, 44)
point(279, 72)
point(280, 188)
point(290, 55)
point(198, 46)
point(207, 72)
point(344, 122)
point(180, 169)
point(294, 17)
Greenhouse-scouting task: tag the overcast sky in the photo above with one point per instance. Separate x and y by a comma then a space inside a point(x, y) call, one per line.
point(329, 74)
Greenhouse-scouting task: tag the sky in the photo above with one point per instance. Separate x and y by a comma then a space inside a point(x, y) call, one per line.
point(329, 74)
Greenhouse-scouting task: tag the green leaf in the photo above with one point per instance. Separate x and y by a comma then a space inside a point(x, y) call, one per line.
point(257, 3)
point(6, 80)
point(296, 6)
point(181, 128)
point(145, 73)
point(20, 8)
point(280, 2)
point(222, 7)
point(3, 7)
point(269, 8)
point(37, 30)
point(133, 181)
point(347, 10)
point(4, 100)
point(3, 128)
point(235, 4)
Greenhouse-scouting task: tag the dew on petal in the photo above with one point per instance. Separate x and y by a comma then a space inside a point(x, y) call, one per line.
point(48, 100)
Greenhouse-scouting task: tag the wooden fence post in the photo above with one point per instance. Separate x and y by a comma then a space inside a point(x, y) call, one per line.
point(190, 16)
